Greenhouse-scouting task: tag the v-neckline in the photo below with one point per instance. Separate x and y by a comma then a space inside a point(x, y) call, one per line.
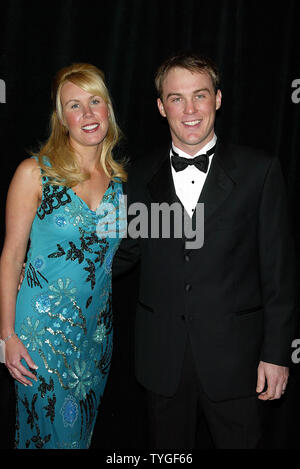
point(82, 201)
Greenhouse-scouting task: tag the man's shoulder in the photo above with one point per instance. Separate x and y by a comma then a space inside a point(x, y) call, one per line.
point(245, 157)
point(145, 164)
point(245, 151)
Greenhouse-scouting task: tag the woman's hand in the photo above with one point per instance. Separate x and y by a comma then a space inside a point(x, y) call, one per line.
point(14, 352)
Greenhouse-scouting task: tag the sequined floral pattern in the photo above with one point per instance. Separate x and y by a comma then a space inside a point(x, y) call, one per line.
point(69, 411)
point(32, 333)
point(60, 289)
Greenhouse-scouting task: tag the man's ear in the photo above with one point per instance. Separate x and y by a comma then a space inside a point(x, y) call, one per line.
point(161, 107)
point(218, 99)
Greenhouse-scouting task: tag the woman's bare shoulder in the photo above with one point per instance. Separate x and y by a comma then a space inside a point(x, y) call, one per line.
point(27, 178)
point(28, 169)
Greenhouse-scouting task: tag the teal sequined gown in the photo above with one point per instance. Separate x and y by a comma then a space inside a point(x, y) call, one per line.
point(64, 317)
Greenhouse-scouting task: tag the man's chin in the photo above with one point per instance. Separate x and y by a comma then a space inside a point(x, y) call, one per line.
point(191, 146)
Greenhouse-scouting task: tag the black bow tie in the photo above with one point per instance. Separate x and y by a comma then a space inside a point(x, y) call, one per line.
point(201, 161)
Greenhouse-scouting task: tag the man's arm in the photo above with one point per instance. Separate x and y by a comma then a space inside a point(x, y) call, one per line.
point(126, 257)
point(276, 250)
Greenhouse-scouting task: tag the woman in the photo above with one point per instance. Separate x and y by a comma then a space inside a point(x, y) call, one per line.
point(66, 201)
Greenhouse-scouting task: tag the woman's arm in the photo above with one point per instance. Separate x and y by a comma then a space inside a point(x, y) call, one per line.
point(23, 199)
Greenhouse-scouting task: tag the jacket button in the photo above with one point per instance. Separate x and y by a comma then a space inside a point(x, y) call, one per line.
point(188, 287)
point(187, 258)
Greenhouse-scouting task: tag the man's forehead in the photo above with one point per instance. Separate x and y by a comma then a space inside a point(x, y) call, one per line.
point(183, 77)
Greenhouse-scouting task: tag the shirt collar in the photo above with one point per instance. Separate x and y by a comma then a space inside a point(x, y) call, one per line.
point(203, 150)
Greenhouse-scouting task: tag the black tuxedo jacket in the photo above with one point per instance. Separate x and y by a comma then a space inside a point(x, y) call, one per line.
point(235, 297)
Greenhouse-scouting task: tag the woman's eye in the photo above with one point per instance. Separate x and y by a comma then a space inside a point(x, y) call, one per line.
point(95, 101)
point(75, 106)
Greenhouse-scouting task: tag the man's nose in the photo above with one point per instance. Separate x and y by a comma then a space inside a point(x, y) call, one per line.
point(190, 107)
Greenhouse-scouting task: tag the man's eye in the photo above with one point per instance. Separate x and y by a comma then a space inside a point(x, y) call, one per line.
point(200, 96)
point(176, 100)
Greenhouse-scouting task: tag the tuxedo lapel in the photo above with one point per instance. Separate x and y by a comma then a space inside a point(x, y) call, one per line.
point(161, 186)
point(162, 190)
point(219, 182)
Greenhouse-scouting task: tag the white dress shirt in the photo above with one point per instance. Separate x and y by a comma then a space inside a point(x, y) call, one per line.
point(189, 182)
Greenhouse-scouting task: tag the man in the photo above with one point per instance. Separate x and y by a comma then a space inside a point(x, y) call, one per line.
point(214, 324)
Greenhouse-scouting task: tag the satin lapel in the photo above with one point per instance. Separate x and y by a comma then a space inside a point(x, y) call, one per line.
point(162, 190)
point(161, 186)
point(219, 182)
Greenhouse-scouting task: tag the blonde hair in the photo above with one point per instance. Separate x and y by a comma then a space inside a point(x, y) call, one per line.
point(64, 169)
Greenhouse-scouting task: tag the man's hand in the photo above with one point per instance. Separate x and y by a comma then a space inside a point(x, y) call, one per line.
point(276, 377)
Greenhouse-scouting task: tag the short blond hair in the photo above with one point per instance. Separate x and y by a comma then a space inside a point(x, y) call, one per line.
point(190, 61)
point(64, 169)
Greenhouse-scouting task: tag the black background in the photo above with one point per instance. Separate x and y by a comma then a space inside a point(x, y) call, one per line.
point(256, 46)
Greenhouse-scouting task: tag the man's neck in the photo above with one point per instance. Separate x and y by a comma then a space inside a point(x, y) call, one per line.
point(207, 146)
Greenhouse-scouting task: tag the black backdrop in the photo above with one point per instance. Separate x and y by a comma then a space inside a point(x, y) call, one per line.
point(255, 44)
